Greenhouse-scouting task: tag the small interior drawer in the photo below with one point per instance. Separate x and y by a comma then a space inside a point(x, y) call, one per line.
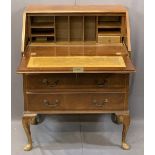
point(109, 39)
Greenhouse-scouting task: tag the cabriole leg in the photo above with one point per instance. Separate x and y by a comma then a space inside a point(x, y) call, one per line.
point(125, 120)
point(27, 120)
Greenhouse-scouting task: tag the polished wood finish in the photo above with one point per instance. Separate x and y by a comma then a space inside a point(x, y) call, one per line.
point(75, 31)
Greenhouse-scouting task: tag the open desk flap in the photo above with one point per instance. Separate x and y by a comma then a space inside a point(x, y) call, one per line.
point(76, 58)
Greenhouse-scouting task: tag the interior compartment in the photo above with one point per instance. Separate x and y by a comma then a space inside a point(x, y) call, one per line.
point(42, 21)
point(109, 24)
point(109, 18)
point(109, 21)
point(42, 39)
point(62, 28)
point(73, 28)
point(89, 28)
point(42, 31)
point(76, 28)
point(109, 31)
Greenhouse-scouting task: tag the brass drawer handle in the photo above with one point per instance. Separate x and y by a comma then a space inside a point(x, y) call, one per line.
point(51, 104)
point(50, 84)
point(100, 84)
point(100, 104)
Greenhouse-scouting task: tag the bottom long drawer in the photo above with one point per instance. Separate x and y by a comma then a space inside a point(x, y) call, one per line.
point(80, 101)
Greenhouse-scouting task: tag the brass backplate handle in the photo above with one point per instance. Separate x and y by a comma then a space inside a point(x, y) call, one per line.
point(100, 104)
point(51, 104)
point(100, 84)
point(49, 83)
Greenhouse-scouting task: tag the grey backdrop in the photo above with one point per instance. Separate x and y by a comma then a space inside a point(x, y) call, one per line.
point(136, 13)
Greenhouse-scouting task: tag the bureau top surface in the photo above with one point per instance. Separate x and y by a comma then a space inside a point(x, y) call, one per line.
point(75, 9)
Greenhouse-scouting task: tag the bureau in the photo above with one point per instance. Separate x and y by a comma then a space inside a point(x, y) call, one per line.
point(75, 60)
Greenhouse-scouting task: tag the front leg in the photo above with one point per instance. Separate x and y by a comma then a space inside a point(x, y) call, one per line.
point(125, 120)
point(27, 120)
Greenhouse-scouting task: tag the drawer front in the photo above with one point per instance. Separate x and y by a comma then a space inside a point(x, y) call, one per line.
point(77, 101)
point(75, 81)
point(109, 39)
point(102, 81)
point(47, 81)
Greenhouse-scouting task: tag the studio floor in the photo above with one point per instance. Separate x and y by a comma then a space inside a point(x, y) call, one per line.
point(77, 135)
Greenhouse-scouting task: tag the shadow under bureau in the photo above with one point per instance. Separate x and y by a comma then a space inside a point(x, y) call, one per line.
point(76, 60)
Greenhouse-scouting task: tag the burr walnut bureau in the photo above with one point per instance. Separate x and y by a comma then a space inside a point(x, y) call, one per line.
point(76, 60)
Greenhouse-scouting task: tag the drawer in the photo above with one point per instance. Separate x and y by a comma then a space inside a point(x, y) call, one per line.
point(75, 81)
point(109, 39)
point(47, 81)
point(77, 101)
point(102, 81)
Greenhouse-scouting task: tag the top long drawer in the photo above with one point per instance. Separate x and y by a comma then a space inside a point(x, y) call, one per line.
point(76, 81)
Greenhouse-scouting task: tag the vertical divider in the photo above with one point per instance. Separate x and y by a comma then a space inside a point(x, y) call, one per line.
point(83, 39)
point(29, 30)
point(83, 27)
point(96, 28)
point(69, 35)
point(54, 30)
point(68, 28)
point(122, 27)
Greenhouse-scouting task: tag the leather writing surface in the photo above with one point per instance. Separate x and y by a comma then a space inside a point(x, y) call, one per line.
point(76, 61)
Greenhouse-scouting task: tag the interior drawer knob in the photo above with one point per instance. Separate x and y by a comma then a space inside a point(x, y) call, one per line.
point(51, 104)
point(109, 40)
